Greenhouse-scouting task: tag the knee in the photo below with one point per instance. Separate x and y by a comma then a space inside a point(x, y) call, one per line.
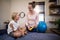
point(17, 35)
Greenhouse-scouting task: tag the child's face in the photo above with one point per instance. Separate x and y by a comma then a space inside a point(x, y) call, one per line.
point(17, 17)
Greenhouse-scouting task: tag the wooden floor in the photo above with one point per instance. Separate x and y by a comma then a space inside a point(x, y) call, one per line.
point(54, 30)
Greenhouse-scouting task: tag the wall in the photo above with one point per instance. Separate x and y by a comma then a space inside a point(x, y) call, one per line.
point(5, 12)
point(19, 6)
point(16, 6)
point(9, 6)
point(0, 12)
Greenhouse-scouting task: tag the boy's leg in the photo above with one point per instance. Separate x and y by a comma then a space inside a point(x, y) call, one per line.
point(12, 35)
point(25, 30)
point(15, 34)
point(22, 31)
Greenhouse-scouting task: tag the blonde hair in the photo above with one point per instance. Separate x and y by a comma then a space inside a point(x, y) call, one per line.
point(14, 15)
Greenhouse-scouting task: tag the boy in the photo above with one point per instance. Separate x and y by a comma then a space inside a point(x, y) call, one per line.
point(14, 29)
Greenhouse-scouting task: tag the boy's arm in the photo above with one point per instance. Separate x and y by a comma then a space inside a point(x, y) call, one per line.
point(11, 25)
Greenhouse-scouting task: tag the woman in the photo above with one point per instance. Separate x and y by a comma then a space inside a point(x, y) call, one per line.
point(32, 18)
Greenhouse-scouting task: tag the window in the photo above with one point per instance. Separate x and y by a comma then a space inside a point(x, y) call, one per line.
point(40, 9)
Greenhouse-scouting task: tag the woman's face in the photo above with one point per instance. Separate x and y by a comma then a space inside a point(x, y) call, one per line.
point(30, 8)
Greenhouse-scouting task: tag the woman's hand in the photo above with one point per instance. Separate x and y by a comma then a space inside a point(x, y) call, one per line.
point(35, 26)
point(30, 28)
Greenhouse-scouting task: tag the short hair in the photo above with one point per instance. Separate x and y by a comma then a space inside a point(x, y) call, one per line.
point(14, 15)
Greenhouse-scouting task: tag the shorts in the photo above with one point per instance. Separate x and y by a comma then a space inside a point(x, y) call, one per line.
point(11, 34)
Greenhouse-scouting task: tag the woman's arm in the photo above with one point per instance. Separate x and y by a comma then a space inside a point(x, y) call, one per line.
point(27, 24)
point(37, 20)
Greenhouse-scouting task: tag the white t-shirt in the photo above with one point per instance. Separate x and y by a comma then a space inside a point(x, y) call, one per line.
point(15, 26)
point(32, 19)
